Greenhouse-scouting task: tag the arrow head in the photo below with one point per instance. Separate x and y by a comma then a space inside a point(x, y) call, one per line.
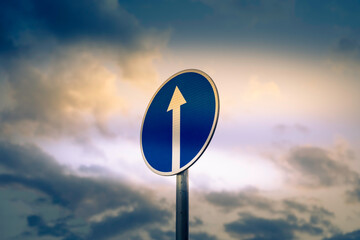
point(177, 100)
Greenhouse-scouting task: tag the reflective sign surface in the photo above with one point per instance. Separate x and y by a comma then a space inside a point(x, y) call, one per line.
point(179, 122)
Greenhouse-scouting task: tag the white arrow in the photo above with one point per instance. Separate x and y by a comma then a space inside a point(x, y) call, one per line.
point(176, 101)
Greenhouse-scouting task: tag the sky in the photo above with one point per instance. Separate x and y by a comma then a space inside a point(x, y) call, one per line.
point(76, 78)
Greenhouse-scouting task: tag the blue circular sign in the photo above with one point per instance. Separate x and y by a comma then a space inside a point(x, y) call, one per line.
point(179, 122)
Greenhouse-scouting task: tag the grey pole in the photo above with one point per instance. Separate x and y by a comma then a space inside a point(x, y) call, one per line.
point(182, 206)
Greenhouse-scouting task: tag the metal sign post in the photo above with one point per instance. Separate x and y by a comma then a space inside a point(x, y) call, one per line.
point(177, 127)
point(182, 206)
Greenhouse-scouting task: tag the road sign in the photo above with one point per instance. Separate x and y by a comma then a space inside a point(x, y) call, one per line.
point(179, 122)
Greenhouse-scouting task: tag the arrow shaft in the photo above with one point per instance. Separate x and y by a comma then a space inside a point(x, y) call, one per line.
point(176, 139)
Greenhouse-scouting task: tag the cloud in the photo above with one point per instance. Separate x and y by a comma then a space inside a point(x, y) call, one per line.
point(137, 219)
point(24, 24)
point(35, 30)
point(85, 198)
point(296, 206)
point(71, 94)
point(195, 222)
point(159, 234)
point(329, 13)
point(66, 69)
point(230, 200)
point(250, 227)
point(59, 229)
point(303, 208)
point(353, 196)
point(316, 167)
point(63, 64)
point(348, 47)
point(254, 12)
point(283, 128)
point(202, 236)
point(316, 215)
point(275, 219)
point(288, 208)
point(346, 236)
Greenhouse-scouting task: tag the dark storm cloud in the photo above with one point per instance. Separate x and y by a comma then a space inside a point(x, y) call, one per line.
point(262, 11)
point(353, 195)
point(316, 215)
point(135, 220)
point(322, 13)
point(230, 200)
point(202, 236)
point(318, 168)
point(59, 229)
point(159, 234)
point(332, 13)
point(95, 170)
point(346, 236)
point(303, 208)
point(167, 13)
point(296, 206)
point(288, 216)
point(195, 222)
point(30, 168)
point(28, 23)
point(54, 58)
point(294, 24)
point(349, 47)
point(287, 208)
point(249, 227)
point(110, 227)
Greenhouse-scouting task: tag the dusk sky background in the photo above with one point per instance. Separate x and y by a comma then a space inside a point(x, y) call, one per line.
point(76, 78)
